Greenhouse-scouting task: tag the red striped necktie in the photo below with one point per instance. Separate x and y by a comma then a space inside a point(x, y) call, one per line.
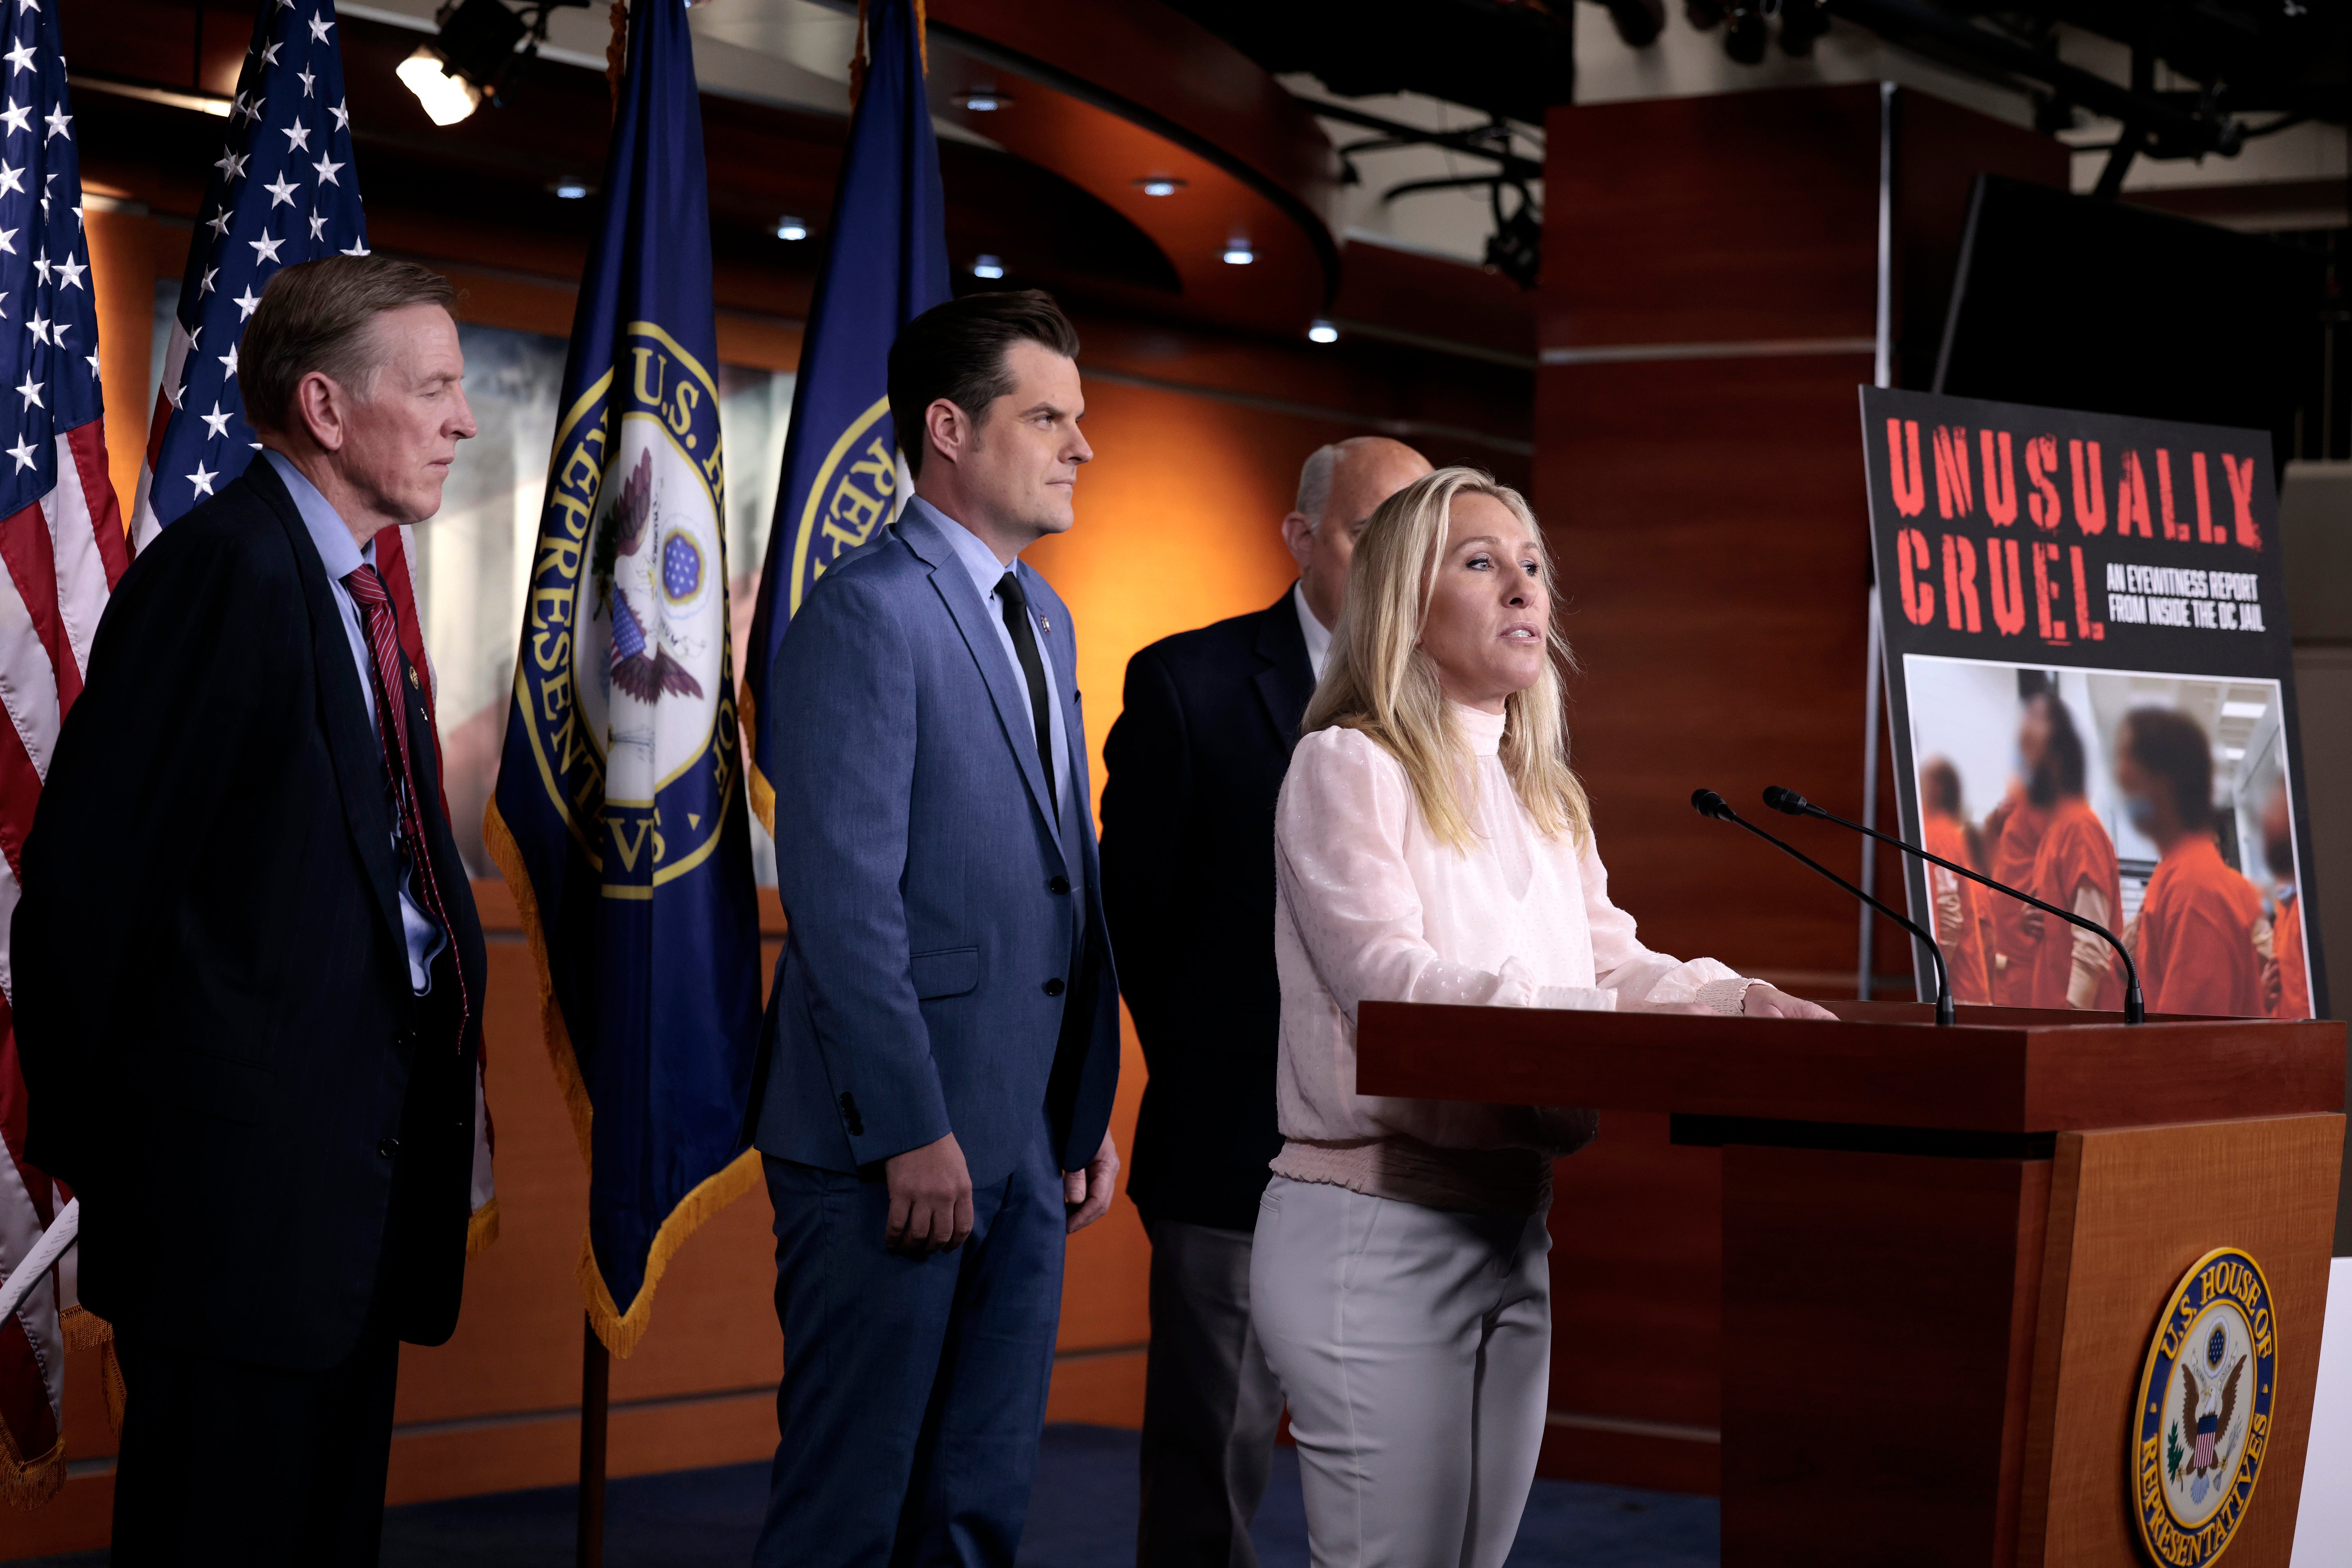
point(377, 615)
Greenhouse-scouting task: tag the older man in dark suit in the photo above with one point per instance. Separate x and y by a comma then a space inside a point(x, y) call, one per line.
point(248, 974)
point(1193, 768)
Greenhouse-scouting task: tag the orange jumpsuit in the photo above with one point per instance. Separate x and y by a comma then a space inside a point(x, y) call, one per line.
point(2195, 945)
point(2012, 862)
point(1964, 947)
point(2286, 941)
point(2075, 849)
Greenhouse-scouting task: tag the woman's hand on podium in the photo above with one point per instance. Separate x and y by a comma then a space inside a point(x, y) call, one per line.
point(1764, 1001)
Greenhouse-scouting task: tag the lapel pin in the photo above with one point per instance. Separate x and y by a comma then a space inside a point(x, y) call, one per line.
point(412, 681)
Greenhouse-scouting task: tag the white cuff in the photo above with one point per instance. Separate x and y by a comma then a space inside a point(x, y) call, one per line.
point(1728, 995)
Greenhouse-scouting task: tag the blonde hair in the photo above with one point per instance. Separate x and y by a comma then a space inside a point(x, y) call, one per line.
point(1377, 680)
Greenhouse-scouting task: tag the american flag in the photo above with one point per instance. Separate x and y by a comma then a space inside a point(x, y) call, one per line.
point(283, 190)
point(61, 551)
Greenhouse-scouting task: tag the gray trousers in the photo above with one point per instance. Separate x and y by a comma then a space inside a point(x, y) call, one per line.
point(1211, 1404)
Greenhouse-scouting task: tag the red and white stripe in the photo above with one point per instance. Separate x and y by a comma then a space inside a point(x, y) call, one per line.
point(144, 526)
point(60, 560)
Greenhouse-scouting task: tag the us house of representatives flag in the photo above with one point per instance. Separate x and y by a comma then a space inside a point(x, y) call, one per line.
point(618, 816)
point(886, 262)
point(284, 189)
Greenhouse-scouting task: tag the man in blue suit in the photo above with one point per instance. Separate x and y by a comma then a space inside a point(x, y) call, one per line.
point(943, 1034)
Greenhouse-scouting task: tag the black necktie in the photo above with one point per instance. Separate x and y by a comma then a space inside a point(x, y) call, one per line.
point(1015, 604)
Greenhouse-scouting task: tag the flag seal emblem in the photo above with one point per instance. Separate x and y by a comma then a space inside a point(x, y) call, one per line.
point(852, 495)
point(2203, 1419)
point(630, 717)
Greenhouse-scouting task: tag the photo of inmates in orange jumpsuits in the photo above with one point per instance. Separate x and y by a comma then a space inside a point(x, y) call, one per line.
point(1962, 927)
point(2156, 805)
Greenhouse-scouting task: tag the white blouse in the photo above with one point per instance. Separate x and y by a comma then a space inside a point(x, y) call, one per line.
point(1371, 906)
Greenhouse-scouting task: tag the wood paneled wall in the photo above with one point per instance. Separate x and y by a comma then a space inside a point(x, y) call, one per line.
point(1709, 304)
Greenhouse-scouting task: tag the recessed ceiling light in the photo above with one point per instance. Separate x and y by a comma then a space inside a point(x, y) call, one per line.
point(987, 267)
point(1322, 332)
point(1160, 185)
point(2244, 710)
point(570, 190)
point(1239, 253)
point(981, 100)
point(790, 228)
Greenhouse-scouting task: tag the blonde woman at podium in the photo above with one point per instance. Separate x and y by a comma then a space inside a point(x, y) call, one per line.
point(1430, 845)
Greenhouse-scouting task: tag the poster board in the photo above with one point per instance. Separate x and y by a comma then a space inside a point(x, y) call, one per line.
point(2078, 608)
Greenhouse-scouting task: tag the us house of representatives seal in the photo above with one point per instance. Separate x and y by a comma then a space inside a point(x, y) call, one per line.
point(2203, 1418)
point(631, 722)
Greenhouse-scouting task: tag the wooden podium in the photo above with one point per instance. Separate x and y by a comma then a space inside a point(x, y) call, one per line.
point(1945, 1250)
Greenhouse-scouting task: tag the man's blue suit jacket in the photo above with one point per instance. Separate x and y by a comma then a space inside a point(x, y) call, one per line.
point(946, 968)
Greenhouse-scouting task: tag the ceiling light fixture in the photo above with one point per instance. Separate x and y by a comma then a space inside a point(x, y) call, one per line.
point(987, 267)
point(570, 190)
point(1322, 331)
point(1238, 253)
point(1160, 185)
point(790, 228)
point(981, 100)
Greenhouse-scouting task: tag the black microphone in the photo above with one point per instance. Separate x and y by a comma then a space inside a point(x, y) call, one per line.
point(1709, 804)
point(1789, 801)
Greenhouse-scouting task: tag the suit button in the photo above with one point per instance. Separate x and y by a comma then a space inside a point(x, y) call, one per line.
point(1057, 885)
point(1054, 988)
point(387, 1147)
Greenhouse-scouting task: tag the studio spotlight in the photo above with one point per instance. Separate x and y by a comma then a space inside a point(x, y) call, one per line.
point(1746, 35)
point(1322, 331)
point(1802, 21)
point(470, 59)
point(987, 267)
point(790, 228)
point(1238, 253)
point(447, 99)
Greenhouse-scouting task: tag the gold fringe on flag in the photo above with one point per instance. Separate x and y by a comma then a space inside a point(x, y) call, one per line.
point(481, 1230)
point(616, 53)
point(27, 1484)
point(619, 1329)
point(83, 1329)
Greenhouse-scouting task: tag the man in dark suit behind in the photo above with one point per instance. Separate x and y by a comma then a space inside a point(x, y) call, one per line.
point(1193, 768)
point(250, 976)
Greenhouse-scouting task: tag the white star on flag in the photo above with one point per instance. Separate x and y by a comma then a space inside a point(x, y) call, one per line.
point(320, 27)
point(216, 422)
point(20, 58)
point(229, 359)
point(23, 452)
point(69, 273)
point(264, 248)
point(203, 479)
point(306, 80)
point(17, 119)
point(281, 189)
point(57, 120)
point(206, 285)
point(342, 119)
point(269, 55)
point(31, 391)
point(11, 179)
point(297, 136)
point(231, 163)
point(327, 167)
point(245, 302)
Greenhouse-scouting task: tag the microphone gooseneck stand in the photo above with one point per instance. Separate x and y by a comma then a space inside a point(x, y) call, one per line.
point(1709, 804)
point(1789, 803)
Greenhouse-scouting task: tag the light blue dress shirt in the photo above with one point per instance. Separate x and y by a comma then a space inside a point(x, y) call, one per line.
point(342, 555)
point(986, 570)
